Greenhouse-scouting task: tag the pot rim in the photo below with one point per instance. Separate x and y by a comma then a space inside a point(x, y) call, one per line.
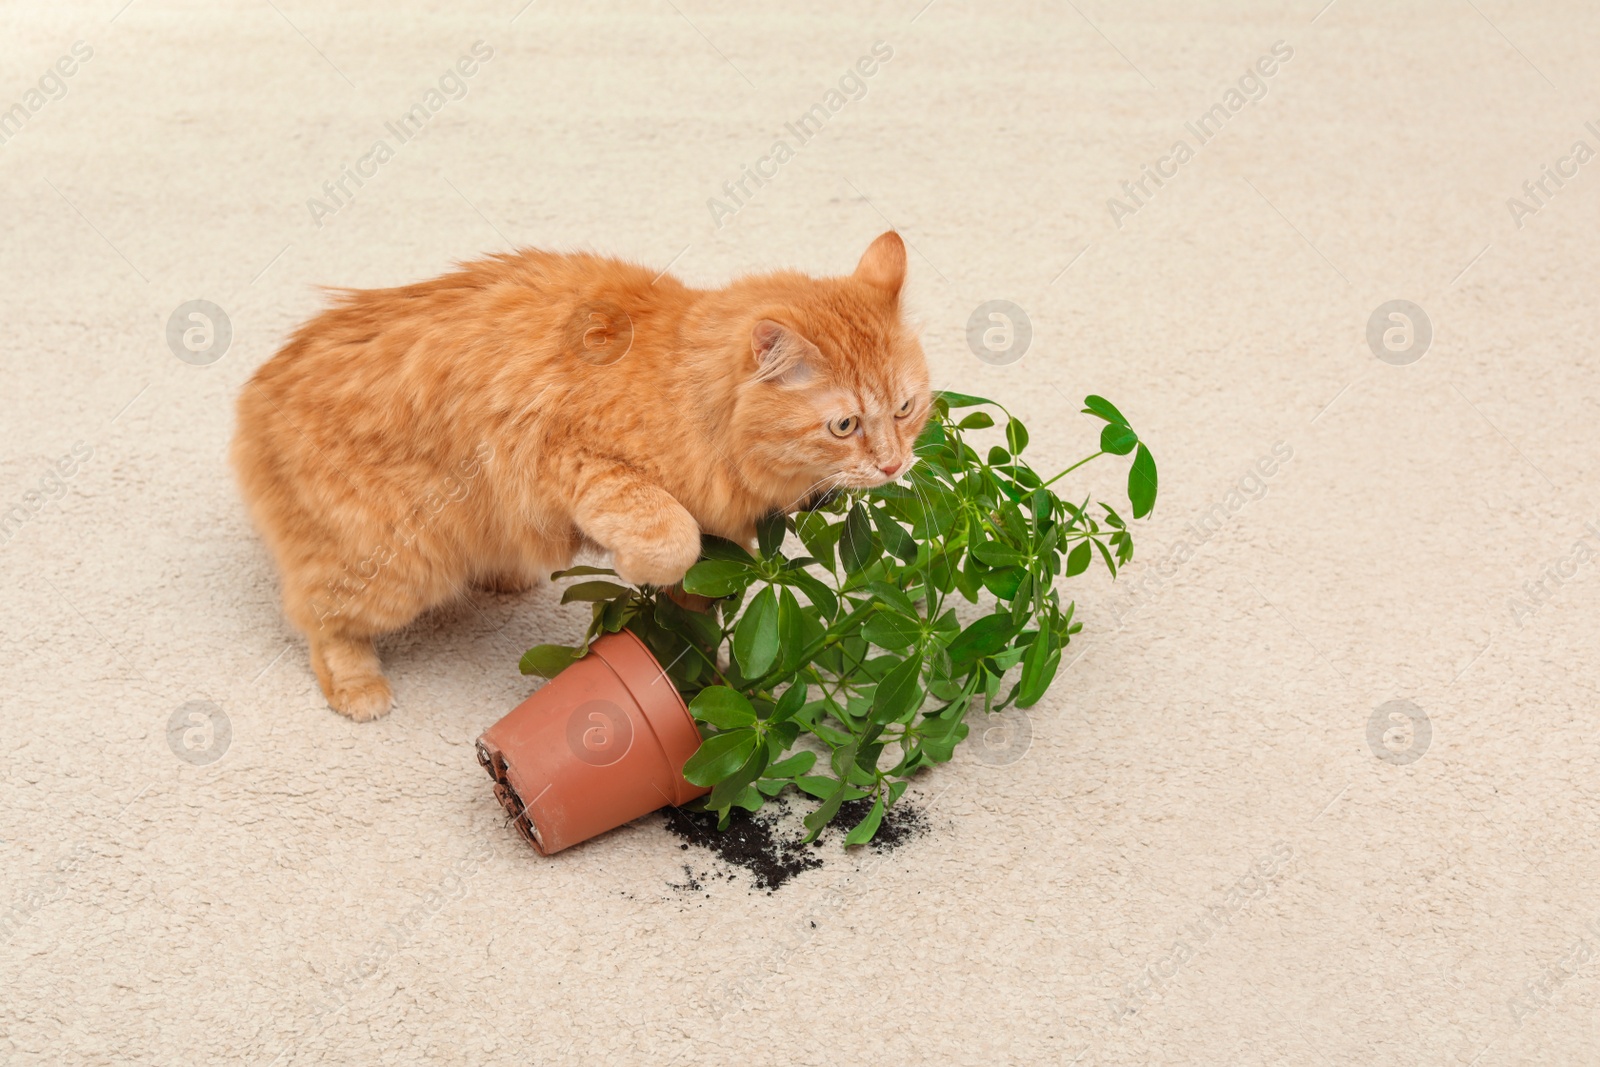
point(627, 675)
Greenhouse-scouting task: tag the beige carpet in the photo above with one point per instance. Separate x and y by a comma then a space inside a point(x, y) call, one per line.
point(1202, 847)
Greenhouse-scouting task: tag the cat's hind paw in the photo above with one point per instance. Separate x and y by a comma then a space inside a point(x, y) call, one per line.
point(347, 669)
point(362, 699)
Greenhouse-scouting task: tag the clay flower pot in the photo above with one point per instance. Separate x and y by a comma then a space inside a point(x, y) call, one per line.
point(600, 744)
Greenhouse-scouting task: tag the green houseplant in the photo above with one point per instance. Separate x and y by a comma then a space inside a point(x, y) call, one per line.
point(843, 671)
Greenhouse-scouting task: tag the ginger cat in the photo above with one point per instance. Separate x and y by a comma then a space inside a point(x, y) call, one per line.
point(484, 426)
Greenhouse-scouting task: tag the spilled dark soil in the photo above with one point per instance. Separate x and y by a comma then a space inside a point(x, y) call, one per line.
point(764, 843)
point(900, 824)
point(768, 845)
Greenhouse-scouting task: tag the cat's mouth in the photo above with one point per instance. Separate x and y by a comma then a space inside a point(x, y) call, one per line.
point(876, 479)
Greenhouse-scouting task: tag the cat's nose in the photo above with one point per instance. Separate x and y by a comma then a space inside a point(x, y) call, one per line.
point(892, 468)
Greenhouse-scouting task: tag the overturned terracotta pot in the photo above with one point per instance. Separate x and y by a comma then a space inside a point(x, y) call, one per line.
point(598, 745)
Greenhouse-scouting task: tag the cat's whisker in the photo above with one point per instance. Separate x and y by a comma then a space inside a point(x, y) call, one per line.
point(922, 498)
point(811, 490)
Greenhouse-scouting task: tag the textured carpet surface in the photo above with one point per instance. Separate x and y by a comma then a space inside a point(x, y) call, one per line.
point(1319, 786)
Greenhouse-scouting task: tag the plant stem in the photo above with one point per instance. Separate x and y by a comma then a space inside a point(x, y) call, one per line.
point(1070, 469)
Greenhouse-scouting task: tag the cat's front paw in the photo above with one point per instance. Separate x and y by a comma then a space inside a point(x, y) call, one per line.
point(659, 563)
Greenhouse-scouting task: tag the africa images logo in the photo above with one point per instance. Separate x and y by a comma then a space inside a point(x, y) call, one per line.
point(599, 733)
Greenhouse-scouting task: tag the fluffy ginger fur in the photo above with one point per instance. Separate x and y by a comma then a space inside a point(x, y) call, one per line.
point(482, 427)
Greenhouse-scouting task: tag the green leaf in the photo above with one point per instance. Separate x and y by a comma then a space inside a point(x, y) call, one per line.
point(856, 548)
point(547, 661)
point(816, 785)
point(719, 756)
point(1038, 668)
point(1021, 601)
point(819, 535)
point(1016, 436)
point(821, 597)
point(793, 767)
point(770, 532)
point(724, 708)
point(997, 554)
point(702, 626)
point(969, 579)
point(614, 614)
point(961, 400)
point(824, 815)
point(712, 547)
point(978, 420)
point(1103, 408)
point(866, 827)
point(932, 438)
point(900, 692)
point(789, 704)
point(781, 737)
point(717, 577)
point(728, 790)
point(750, 799)
point(755, 638)
point(1078, 559)
point(1142, 482)
point(1042, 506)
point(791, 633)
point(1004, 582)
point(998, 456)
point(1105, 554)
point(895, 538)
point(1014, 524)
point(1117, 439)
point(983, 638)
point(892, 630)
point(583, 572)
point(865, 770)
point(940, 749)
point(895, 598)
point(844, 757)
point(593, 591)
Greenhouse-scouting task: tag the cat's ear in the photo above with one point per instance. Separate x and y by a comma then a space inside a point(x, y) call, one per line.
point(883, 265)
point(781, 355)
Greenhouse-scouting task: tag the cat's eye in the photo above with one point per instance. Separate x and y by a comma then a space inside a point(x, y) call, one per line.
point(843, 427)
point(905, 409)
